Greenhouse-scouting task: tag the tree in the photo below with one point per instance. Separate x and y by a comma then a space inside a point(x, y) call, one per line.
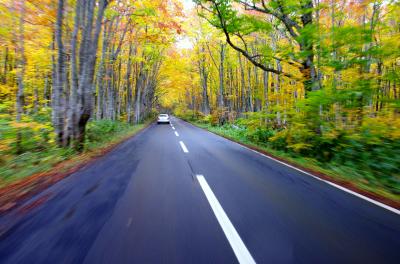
point(261, 16)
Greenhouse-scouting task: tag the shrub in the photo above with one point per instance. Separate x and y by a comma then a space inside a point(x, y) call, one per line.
point(278, 141)
point(189, 115)
point(205, 120)
point(260, 135)
point(97, 130)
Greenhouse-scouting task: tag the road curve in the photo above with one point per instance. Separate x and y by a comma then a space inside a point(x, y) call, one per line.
point(178, 194)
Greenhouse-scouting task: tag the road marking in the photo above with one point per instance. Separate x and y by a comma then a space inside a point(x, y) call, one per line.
point(129, 222)
point(184, 148)
point(387, 207)
point(173, 128)
point(176, 134)
point(239, 248)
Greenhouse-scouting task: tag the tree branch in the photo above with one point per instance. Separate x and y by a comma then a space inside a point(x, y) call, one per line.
point(243, 52)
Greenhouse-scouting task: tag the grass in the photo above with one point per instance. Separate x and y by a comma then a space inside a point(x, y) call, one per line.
point(101, 136)
point(337, 172)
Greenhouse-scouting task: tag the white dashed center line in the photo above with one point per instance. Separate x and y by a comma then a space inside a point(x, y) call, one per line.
point(173, 128)
point(176, 134)
point(129, 222)
point(239, 248)
point(184, 148)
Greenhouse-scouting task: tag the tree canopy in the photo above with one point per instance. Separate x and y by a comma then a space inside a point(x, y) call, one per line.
point(313, 78)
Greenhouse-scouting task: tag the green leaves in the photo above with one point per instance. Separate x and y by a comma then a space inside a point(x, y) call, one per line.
point(246, 24)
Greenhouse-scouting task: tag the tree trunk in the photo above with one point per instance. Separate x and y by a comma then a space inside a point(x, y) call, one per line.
point(21, 62)
point(221, 76)
point(58, 87)
point(242, 86)
point(100, 73)
point(128, 85)
point(265, 90)
point(204, 83)
point(249, 100)
point(306, 47)
point(5, 67)
point(71, 124)
point(85, 88)
point(138, 93)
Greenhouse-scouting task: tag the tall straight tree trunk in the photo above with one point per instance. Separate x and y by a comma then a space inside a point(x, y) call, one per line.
point(58, 87)
point(265, 90)
point(231, 85)
point(129, 85)
point(5, 66)
point(257, 100)
point(90, 44)
point(35, 99)
point(20, 73)
point(237, 95)
point(112, 79)
point(221, 76)
point(204, 82)
point(45, 90)
point(53, 77)
point(242, 86)
point(118, 100)
point(306, 46)
point(265, 106)
point(100, 73)
point(70, 131)
point(277, 88)
point(249, 105)
point(110, 91)
point(138, 93)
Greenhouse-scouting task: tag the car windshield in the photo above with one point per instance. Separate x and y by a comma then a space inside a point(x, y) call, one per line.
point(163, 115)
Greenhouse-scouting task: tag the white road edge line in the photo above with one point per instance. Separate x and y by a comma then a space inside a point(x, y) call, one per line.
point(387, 207)
point(184, 148)
point(239, 248)
point(176, 134)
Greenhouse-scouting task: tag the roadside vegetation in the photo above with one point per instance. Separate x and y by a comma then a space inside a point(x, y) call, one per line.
point(39, 153)
point(314, 82)
point(359, 159)
point(76, 77)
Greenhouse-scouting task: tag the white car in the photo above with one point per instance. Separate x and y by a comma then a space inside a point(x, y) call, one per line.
point(163, 118)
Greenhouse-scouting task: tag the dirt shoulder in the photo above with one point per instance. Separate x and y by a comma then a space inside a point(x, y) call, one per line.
point(14, 193)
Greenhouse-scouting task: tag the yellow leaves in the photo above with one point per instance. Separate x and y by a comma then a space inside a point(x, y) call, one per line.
point(6, 90)
point(395, 134)
point(383, 126)
point(298, 147)
point(37, 127)
point(4, 145)
point(17, 125)
point(176, 77)
point(4, 116)
point(298, 138)
point(330, 135)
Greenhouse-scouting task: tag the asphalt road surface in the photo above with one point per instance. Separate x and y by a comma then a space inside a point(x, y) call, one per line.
point(178, 194)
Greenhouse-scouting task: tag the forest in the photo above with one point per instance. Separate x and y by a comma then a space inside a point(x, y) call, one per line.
point(314, 82)
point(76, 73)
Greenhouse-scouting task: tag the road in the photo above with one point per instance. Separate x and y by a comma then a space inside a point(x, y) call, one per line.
point(179, 194)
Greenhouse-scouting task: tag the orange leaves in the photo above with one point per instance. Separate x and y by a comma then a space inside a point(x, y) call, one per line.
point(31, 125)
